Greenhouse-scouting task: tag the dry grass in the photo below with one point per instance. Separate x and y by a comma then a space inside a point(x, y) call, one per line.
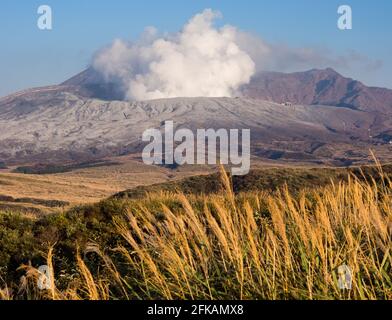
point(90, 185)
point(247, 246)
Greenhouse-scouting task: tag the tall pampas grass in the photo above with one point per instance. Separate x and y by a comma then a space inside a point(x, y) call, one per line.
point(255, 245)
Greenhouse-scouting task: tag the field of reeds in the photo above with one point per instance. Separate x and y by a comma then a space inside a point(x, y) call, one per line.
point(248, 245)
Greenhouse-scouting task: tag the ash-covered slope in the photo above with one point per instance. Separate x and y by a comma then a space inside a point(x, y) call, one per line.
point(85, 117)
point(51, 124)
point(313, 87)
point(92, 85)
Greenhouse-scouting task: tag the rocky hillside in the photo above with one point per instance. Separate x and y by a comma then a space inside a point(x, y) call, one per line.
point(319, 87)
point(332, 120)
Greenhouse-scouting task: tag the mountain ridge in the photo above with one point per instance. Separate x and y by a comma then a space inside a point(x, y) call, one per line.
point(313, 87)
point(318, 87)
point(74, 122)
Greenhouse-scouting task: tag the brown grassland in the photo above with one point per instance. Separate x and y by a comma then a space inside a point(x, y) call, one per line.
point(229, 245)
point(89, 185)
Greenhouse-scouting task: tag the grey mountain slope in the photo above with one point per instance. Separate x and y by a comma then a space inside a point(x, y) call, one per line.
point(85, 118)
point(93, 85)
point(314, 87)
point(58, 123)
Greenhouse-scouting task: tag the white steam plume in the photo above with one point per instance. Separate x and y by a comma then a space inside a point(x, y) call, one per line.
point(201, 60)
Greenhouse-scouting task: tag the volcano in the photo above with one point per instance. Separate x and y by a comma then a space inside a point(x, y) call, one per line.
point(316, 116)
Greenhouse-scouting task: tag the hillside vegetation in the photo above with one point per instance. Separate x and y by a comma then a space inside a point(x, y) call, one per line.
point(248, 243)
point(270, 179)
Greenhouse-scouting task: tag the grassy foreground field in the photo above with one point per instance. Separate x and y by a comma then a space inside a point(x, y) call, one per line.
point(260, 244)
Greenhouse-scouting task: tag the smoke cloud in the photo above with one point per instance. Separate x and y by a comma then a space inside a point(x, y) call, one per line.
point(201, 60)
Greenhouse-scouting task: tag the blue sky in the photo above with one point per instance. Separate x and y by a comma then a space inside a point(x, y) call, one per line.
point(30, 57)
